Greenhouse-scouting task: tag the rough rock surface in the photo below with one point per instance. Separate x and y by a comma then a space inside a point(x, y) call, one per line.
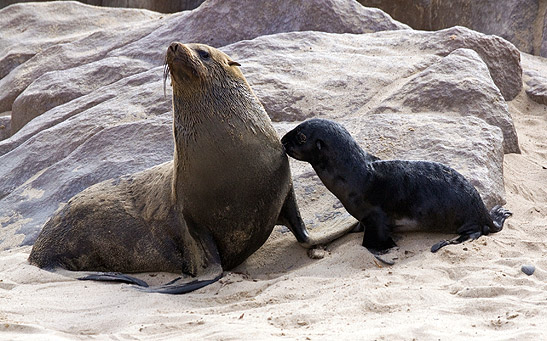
point(146, 42)
point(28, 30)
point(522, 22)
point(5, 126)
point(535, 77)
point(383, 72)
point(95, 123)
point(153, 5)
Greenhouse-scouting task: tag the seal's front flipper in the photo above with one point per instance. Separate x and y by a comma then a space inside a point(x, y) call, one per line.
point(358, 228)
point(377, 232)
point(290, 217)
point(98, 276)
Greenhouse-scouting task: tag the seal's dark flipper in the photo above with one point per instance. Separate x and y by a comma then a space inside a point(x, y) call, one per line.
point(498, 215)
point(179, 286)
point(460, 239)
point(377, 235)
point(290, 217)
point(113, 277)
point(380, 258)
point(212, 273)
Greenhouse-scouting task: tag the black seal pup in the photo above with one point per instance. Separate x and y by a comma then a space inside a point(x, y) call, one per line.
point(206, 211)
point(392, 195)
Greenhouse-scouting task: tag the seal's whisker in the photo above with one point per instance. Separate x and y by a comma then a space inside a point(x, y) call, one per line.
point(165, 75)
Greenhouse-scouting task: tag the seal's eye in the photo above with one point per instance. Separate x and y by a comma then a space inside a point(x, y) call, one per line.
point(204, 54)
point(300, 138)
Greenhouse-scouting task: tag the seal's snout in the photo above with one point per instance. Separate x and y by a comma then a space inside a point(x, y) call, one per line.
point(173, 47)
point(285, 147)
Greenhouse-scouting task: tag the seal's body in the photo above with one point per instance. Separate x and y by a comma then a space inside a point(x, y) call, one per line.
point(208, 210)
point(394, 195)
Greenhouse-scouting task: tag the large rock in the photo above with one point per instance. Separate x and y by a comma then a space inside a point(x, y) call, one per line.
point(5, 126)
point(543, 51)
point(522, 22)
point(535, 77)
point(382, 72)
point(153, 5)
point(58, 87)
point(30, 29)
point(146, 41)
point(121, 123)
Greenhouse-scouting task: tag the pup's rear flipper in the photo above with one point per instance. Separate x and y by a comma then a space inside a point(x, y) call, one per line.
point(460, 239)
point(499, 214)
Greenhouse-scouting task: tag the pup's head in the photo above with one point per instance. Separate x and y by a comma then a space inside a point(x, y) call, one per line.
point(316, 140)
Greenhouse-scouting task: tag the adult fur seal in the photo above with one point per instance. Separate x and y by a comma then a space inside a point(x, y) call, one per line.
point(389, 195)
point(203, 213)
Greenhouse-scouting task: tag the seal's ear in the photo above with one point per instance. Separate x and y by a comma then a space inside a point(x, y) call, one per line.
point(320, 144)
point(232, 63)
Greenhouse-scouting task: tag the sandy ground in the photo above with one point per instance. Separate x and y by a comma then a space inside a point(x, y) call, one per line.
point(476, 289)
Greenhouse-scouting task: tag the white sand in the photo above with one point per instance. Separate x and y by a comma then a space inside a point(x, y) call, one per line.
point(471, 290)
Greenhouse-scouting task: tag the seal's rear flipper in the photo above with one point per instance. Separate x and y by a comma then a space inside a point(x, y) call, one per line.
point(113, 277)
point(378, 256)
point(212, 273)
point(498, 215)
point(179, 286)
point(460, 239)
point(98, 276)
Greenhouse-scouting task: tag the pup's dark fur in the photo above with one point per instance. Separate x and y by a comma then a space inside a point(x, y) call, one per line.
point(392, 195)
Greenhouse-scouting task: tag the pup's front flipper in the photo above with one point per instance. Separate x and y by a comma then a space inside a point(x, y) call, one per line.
point(377, 238)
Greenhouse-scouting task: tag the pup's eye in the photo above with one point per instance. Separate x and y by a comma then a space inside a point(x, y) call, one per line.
point(301, 138)
point(203, 54)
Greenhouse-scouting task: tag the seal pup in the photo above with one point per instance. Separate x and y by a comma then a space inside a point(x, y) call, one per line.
point(206, 211)
point(392, 195)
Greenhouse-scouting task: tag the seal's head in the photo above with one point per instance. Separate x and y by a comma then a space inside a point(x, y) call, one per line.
point(319, 141)
point(315, 139)
point(198, 66)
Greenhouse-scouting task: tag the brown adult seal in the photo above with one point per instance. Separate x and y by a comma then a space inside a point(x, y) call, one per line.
point(205, 212)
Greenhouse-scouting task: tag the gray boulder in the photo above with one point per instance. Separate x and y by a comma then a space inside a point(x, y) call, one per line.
point(386, 72)
point(535, 77)
point(61, 86)
point(522, 22)
point(28, 29)
point(146, 41)
point(112, 123)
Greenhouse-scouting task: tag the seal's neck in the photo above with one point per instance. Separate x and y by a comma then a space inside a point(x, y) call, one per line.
point(345, 172)
point(221, 122)
point(215, 111)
